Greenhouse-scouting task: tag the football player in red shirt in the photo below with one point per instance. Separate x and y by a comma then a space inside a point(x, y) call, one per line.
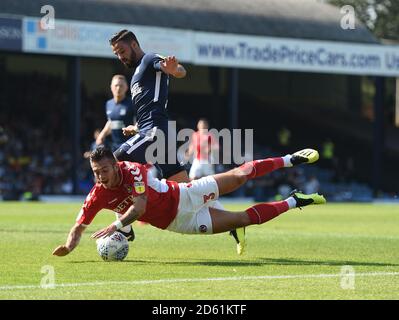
point(130, 189)
point(202, 148)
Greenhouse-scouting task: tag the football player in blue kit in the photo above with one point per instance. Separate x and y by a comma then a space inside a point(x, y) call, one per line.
point(149, 89)
point(120, 113)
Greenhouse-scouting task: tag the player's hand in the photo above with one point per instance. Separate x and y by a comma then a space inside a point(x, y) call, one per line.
point(104, 232)
point(169, 65)
point(86, 155)
point(130, 130)
point(61, 251)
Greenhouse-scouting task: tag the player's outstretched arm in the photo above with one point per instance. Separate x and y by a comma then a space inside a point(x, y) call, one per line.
point(131, 215)
point(73, 240)
point(106, 131)
point(171, 66)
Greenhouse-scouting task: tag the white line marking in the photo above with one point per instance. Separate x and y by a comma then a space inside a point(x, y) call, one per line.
point(138, 282)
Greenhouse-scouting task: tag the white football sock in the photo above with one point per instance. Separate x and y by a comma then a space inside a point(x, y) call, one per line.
point(287, 160)
point(291, 202)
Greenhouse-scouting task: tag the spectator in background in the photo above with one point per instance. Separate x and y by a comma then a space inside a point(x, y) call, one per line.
point(284, 137)
point(202, 148)
point(327, 152)
point(349, 170)
point(312, 185)
point(330, 160)
point(120, 113)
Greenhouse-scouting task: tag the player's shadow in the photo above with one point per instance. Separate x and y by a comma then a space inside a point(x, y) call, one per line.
point(285, 261)
point(257, 262)
point(299, 262)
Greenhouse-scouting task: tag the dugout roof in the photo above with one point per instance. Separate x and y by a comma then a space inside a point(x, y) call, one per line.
point(305, 19)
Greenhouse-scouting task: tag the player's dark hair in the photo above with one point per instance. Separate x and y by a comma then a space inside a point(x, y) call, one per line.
point(123, 35)
point(204, 120)
point(100, 153)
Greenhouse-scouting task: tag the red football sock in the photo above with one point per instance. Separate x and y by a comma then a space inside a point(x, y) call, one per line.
point(258, 168)
point(263, 212)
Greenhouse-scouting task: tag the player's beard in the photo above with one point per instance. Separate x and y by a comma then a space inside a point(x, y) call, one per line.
point(131, 62)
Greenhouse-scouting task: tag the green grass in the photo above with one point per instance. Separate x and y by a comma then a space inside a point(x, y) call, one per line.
point(315, 241)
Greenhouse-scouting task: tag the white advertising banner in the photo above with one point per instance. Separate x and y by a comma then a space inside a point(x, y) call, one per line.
point(215, 49)
point(91, 38)
point(295, 54)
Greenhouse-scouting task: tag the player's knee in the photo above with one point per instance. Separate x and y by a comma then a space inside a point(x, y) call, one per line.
point(244, 219)
point(239, 176)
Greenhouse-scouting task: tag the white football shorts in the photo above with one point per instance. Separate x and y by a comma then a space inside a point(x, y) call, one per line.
point(199, 169)
point(193, 215)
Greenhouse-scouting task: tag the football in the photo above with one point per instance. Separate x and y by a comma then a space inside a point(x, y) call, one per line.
point(113, 248)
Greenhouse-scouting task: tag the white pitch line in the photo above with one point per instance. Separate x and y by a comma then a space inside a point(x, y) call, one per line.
point(138, 282)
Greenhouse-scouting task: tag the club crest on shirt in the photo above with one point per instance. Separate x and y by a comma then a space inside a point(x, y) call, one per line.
point(139, 187)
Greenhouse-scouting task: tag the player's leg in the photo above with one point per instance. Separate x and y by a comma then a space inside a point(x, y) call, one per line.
point(223, 221)
point(134, 149)
point(194, 216)
point(180, 176)
point(231, 180)
point(173, 170)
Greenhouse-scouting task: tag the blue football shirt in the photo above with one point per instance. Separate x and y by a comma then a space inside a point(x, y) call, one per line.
point(149, 89)
point(121, 115)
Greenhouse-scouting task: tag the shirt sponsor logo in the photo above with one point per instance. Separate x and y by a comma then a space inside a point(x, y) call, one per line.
point(127, 202)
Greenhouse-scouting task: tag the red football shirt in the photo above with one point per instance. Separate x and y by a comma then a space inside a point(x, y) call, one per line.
point(162, 196)
point(203, 143)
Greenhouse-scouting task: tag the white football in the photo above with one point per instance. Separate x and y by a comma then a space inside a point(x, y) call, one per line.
point(113, 248)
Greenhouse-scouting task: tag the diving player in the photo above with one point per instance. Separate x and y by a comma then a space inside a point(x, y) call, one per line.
point(129, 189)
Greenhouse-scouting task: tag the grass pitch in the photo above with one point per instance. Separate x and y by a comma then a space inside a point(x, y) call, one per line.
point(298, 255)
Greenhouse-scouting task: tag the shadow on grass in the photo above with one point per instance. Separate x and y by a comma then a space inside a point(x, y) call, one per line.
point(257, 262)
